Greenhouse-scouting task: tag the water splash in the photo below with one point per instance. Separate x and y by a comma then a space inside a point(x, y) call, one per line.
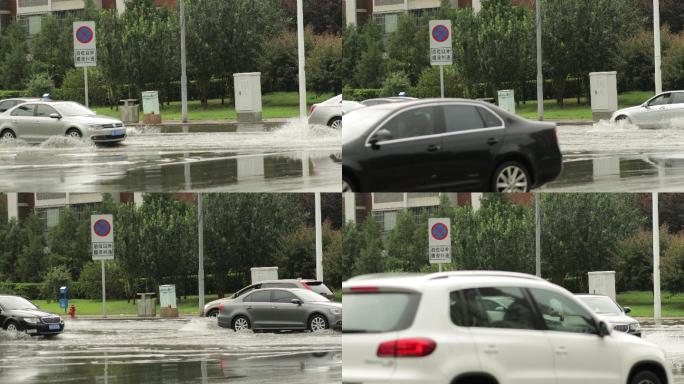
point(58, 142)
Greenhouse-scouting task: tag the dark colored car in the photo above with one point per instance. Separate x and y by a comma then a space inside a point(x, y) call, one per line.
point(280, 309)
point(19, 314)
point(211, 309)
point(446, 145)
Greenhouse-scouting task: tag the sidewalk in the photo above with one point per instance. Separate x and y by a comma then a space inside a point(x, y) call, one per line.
point(275, 121)
point(183, 317)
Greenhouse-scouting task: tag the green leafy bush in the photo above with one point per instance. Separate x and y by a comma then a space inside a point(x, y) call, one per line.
point(54, 279)
point(40, 84)
point(395, 83)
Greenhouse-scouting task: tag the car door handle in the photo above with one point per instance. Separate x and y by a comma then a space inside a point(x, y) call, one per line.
point(491, 350)
point(492, 141)
point(248, 308)
point(434, 148)
point(561, 351)
point(274, 307)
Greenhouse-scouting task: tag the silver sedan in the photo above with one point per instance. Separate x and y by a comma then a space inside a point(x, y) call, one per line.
point(38, 121)
point(280, 309)
point(662, 111)
point(330, 111)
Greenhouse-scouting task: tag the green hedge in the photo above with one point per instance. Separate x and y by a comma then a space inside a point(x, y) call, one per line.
point(11, 93)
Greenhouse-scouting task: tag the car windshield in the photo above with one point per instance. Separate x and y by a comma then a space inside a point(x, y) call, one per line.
point(73, 109)
point(310, 296)
point(357, 122)
point(14, 303)
point(601, 305)
point(378, 312)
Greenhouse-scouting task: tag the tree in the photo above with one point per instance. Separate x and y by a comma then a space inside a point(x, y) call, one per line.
point(351, 54)
point(72, 254)
point(14, 69)
point(406, 244)
point(370, 257)
point(52, 49)
point(408, 47)
point(31, 261)
point(323, 64)
point(11, 243)
point(633, 261)
point(55, 278)
point(110, 54)
point(325, 16)
point(371, 67)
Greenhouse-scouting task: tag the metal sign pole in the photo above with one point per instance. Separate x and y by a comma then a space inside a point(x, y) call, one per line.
point(441, 81)
point(104, 295)
point(85, 81)
point(184, 75)
point(319, 238)
point(656, 41)
point(537, 232)
point(200, 241)
point(540, 74)
point(301, 58)
point(656, 258)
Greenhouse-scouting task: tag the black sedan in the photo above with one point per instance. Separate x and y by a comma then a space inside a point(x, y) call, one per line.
point(446, 145)
point(20, 315)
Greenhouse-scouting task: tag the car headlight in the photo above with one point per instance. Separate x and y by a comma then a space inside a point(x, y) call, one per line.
point(32, 320)
point(336, 311)
point(95, 126)
point(634, 327)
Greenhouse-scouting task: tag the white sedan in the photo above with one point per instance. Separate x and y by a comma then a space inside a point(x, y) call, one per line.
point(662, 111)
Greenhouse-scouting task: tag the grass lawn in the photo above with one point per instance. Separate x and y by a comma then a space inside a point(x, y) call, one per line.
point(275, 105)
point(573, 111)
point(642, 303)
point(120, 307)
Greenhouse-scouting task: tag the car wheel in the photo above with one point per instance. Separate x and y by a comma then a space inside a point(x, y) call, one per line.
point(335, 123)
point(74, 133)
point(241, 323)
point(213, 313)
point(622, 118)
point(511, 176)
point(347, 185)
point(11, 326)
point(8, 135)
point(318, 323)
point(646, 377)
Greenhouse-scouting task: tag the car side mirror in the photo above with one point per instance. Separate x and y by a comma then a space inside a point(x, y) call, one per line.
point(603, 329)
point(380, 136)
point(296, 301)
point(627, 309)
point(56, 116)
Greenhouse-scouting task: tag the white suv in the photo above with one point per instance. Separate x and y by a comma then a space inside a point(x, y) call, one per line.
point(484, 328)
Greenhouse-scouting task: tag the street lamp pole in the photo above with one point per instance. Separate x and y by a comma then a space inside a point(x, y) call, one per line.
point(319, 239)
point(537, 232)
point(657, 46)
point(302, 58)
point(200, 241)
point(184, 65)
point(540, 74)
point(656, 258)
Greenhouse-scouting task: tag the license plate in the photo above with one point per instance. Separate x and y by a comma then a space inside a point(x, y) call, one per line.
point(53, 327)
point(118, 132)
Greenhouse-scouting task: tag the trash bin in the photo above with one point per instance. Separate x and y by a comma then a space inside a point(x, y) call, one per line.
point(130, 111)
point(167, 301)
point(147, 305)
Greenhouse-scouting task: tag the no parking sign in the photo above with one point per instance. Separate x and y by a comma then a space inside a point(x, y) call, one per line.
point(85, 48)
point(102, 236)
point(439, 235)
point(441, 50)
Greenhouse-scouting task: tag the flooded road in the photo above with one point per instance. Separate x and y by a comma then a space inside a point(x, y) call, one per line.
point(169, 351)
point(670, 335)
point(244, 158)
point(608, 158)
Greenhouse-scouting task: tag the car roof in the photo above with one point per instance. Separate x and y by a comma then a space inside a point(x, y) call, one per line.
point(414, 282)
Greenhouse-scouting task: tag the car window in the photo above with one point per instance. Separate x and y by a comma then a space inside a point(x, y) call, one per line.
point(414, 123)
point(44, 110)
point(279, 285)
point(494, 308)
point(461, 118)
point(280, 296)
point(661, 100)
point(563, 314)
point(5, 105)
point(258, 297)
point(319, 287)
point(378, 312)
point(678, 98)
point(601, 304)
point(490, 120)
point(24, 110)
point(247, 289)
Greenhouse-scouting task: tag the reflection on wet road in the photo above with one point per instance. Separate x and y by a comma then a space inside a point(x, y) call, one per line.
point(169, 351)
point(607, 158)
point(175, 158)
point(668, 334)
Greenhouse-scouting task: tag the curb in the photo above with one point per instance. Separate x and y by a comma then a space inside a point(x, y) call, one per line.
point(209, 122)
point(129, 317)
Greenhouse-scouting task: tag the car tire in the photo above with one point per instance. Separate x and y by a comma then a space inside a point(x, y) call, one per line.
point(213, 313)
point(8, 134)
point(335, 123)
point(12, 326)
point(74, 133)
point(347, 184)
point(645, 377)
point(511, 176)
point(241, 323)
point(317, 323)
point(623, 118)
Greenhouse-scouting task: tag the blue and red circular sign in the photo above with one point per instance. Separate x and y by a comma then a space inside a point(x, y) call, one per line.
point(84, 34)
point(440, 33)
point(439, 231)
point(102, 228)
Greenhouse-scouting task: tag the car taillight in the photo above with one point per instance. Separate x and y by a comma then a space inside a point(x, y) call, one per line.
point(415, 347)
point(364, 289)
point(220, 307)
point(307, 286)
point(313, 108)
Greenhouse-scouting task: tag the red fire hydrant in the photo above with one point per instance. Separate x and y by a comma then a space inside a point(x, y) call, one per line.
point(72, 311)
